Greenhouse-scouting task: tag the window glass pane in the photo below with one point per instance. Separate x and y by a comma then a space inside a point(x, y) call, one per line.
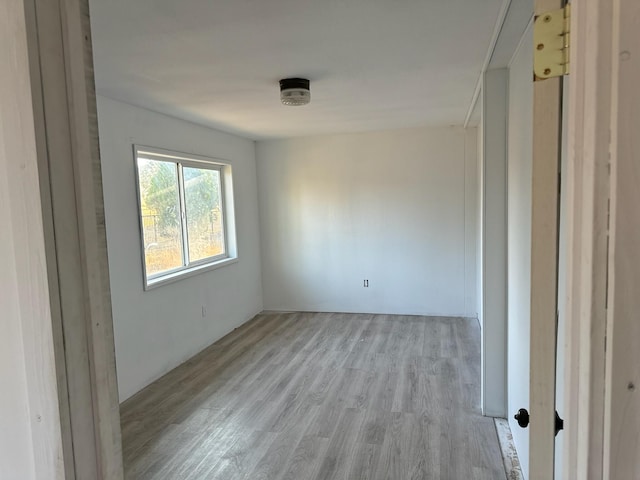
point(160, 211)
point(205, 228)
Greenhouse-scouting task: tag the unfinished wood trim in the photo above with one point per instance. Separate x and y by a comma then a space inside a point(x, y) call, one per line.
point(547, 128)
point(622, 408)
point(70, 173)
point(22, 228)
point(588, 195)
point(50, 252)
point(508, 449)
point(544, 250)
point(54, 153)
point(91, 228)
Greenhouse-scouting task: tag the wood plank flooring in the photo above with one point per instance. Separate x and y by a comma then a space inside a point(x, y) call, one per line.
point(299, 396)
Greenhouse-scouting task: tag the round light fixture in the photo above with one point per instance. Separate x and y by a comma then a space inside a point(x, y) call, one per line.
point(295, 91)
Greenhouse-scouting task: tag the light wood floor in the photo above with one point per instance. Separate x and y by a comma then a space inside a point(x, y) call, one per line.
point(302, 396)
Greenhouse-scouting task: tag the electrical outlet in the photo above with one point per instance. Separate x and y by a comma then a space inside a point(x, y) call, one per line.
point(366, 283)
point(204, 311)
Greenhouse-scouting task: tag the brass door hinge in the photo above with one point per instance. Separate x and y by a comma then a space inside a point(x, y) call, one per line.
point(551, 34)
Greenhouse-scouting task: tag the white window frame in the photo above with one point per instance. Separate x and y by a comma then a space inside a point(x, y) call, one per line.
point(189, 268)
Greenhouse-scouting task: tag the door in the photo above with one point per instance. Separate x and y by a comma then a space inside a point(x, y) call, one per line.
point(534, 146)
point(519, 168)
point(545, 201)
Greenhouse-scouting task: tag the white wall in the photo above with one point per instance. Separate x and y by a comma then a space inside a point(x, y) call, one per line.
point(157, 330)
point(384, 206)
point(494, 242)
point(519, 239)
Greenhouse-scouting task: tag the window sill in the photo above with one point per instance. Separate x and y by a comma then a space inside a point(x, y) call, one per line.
point(188, 272)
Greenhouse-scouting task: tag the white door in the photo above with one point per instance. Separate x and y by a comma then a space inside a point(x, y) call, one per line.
point(534, 161)
point(545, 201)
point(519, 167)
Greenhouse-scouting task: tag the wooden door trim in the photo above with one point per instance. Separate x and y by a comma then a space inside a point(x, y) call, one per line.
point(587, 230)
point(65, 117)
point(622, 375)
point(26, 316)
point(547, 141)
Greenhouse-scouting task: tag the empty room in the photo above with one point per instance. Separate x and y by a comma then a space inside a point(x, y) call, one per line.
point(294, 287)
point(353, 239)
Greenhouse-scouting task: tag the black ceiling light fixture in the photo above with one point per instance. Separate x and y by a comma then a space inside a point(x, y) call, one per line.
point(295, 91)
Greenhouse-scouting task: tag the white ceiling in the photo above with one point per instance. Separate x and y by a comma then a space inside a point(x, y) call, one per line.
point(373, 64)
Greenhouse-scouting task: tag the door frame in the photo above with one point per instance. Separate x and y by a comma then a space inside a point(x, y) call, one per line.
point(78, 276)
point(602, 362)
point(59, 55)
point(589, 190)
point(622, 374)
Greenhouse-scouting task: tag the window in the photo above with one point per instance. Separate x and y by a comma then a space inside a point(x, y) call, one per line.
point(186, 214)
